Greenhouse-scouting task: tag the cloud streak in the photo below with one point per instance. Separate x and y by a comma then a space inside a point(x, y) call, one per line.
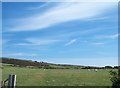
point(98, 43)
point(113, 36)
point(71, 42)
point(18, 54)
point(63, 12)
point(37, 42)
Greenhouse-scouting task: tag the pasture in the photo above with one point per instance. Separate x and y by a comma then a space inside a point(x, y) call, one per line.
point(58, 77)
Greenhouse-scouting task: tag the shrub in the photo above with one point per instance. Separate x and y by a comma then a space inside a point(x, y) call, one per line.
point(115, 79)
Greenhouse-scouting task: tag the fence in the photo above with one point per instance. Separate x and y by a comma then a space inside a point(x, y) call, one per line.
point(11, 82)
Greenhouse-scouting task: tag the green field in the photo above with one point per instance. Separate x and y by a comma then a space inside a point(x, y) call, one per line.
point(58, 77)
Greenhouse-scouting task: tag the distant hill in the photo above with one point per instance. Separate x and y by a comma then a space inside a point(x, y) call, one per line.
point(23, 63)
point(30, 63)
point(45, 65)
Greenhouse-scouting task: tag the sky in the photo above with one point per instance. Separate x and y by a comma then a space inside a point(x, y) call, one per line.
point(79, 33)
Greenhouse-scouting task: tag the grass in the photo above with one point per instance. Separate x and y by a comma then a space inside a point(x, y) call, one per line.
point(58, 77)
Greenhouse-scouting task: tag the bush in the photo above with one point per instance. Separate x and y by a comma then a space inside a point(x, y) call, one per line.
point(115, 79)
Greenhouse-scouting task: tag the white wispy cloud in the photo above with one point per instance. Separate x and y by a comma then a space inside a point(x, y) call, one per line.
point(62, 12)
point(39, 7)
point(18, 54)
point(113, 36)
point(98, 43)
point(65, 35)
point(99, 18)
point(37, 41)
point(71, 42)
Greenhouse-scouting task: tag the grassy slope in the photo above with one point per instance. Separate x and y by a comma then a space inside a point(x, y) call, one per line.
point(57, 77)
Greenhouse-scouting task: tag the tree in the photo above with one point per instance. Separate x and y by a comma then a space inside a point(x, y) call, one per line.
point(108, 67)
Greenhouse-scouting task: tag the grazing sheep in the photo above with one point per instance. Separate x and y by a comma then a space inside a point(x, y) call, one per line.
point(89, 70)
point(96, 70)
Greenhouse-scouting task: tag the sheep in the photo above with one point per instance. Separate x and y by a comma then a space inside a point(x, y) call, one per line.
point(96, 70)
point(89, 70)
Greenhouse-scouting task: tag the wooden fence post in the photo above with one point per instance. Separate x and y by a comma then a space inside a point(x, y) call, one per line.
point(12, 81)
point(2, 84)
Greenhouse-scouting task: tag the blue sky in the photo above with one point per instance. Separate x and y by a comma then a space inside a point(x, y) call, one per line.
point(61, 32)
